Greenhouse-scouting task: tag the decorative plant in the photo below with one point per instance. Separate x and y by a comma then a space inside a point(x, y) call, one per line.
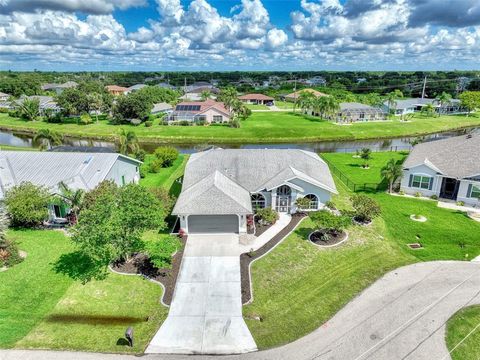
point(267, 215)
point(302, 203)
point(160, 252)
point(366, 209)
point(391, 172)
point(366, 154)
point(418, 194)
point(324, 220)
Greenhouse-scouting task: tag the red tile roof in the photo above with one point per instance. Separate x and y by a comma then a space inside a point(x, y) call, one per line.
point(297, 93)
point(116, 88)
point(256, 97)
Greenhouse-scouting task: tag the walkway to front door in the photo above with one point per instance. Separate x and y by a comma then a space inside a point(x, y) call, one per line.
point(206, 312)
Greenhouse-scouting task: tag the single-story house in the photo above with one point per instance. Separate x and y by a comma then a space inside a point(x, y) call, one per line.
point(222, 187)
point(116, 90)
point(295, 95)
point(46, 103)
point(409, 106)
point(58, 88)
point(209, 111)
point(258, 99)
point(135, 87)
point(4, 97)
point(448, 168)
point(162, 107)
point(77, 170)
point(316, 81)
point(353, 112)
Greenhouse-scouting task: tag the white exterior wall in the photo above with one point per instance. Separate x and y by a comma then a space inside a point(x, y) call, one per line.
point(463, 192)
point(123, 167)
point(425, 171)
point(210, 113)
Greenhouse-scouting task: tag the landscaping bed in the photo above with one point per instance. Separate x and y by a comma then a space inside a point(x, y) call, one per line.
point(247, 258)
point(327, 237)
point(140, 264)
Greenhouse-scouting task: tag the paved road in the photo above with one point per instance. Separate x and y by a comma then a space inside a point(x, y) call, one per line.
point(206, 312)
point(401, 316)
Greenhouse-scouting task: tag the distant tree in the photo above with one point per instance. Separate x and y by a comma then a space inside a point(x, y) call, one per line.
point(306, 101)
point(373, 99)
point(166, 155)
point(205, 95)
point(136, 105)
point(73, 101)
point(392, 98)
point(29, 109)
point(470, 100)
point(391, 172)
point(95, 101)
point(156, 94)
point(428, 110)
point(51, 137)
point(27, 204)
point(127, 142)
point(443, 99)
point(366, 155)
point(73, 198)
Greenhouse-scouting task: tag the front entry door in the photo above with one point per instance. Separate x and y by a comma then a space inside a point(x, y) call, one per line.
point(283, 204)
point(449, 189)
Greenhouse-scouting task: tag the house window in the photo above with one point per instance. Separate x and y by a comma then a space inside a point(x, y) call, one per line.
point(123, 180)
point(258, 201)
point(313, 201)
point(284, 190)
point(217, 118)
point(421, 182)
point(475, 193)
point(202, 118)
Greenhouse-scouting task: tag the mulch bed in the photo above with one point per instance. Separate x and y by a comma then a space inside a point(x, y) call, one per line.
point(140, 264)
point(247, 258)
point(332, 238)
point(260, 229)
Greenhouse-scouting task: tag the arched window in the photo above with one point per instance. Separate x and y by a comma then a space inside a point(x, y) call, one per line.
point(313, 201)
point(258, 201)
point(284, 190)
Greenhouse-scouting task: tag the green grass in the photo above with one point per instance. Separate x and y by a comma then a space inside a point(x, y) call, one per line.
point(298, 286)
point(284, 104)
point(166, 176)
point(42, 309)
point(257, 107)
point(352, 166)
point(17, 148)
point(260, 127)
point(458, 327)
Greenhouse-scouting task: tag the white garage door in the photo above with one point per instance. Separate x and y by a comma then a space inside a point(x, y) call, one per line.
point(207, 224)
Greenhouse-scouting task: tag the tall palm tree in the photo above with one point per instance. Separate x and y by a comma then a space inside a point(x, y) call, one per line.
point(51, 137)
point(306, 101)
point(95, 102)
point(127, 142)
point(332, 106)
point(392, 98)
point(73, 198)
point(391, 172)
point(29, 109)
point(206, 94)
point(443, 99)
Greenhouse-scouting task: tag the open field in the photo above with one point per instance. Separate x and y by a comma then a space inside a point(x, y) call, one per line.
point(463, 323)
point(260, 127)
point(43, 309)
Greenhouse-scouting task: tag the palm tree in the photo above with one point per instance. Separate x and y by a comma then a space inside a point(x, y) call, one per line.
point(321, 106)
point(365, 154)
point(73, 198)
point(206, 94)
point(306, 101)
point(95, 102)
point(392, 99)
point(332, 106)
point(51, 137)
point(391, 172)
point(443, 99)
point(127, 142)
point(428, 110)
point(29, 109)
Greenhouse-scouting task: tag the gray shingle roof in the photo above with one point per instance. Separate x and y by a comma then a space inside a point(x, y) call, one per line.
point(252, 170)
point(408, 103)
point(77, 170)
point(455, 157)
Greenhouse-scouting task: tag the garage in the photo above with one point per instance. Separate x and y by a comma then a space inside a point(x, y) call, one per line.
point(208, 224)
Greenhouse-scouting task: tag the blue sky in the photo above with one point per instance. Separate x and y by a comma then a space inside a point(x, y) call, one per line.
point(239, 34)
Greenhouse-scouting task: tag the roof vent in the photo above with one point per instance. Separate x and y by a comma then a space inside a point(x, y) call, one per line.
point(87, 160)
point(469, 136)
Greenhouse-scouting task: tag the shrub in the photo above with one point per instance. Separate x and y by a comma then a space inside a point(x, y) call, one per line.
point(143, 170)
point(302, 203)
point(401, 192)
point(155, 166)
point(9, 254)
point(160, 252)
point(164, 197)
point(460, 203)
point(329, 204)
point(27, 204)
point(325, 220)
point(148, 123)
point(365, 207)
point(166, 155)
point(85, 119)
point(267, 215)
point(184, 123)
point(418, 194)
point(140, 154)
point(235, 123)
point(434, 197)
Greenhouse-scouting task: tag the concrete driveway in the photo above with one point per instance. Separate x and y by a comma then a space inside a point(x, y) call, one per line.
point(401, 316)
point(206, 312)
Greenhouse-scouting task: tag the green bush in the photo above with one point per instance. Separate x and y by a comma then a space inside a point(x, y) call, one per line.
point(166, 155)
point(460, 203)
point(85, 119)
point(148, 123)
point(160, 252)
point(330, 204)
point(235, 123)
point(324, 219)
point(140, 154)
point(267, 215)
point(418, 194)
point(365, 207)
point(27, 204)
point(143, 170)
point(155, 166)
point(434, 197)
point(9, 254)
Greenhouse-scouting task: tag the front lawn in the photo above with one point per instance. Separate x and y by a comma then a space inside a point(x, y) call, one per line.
point(298, 287)
point(257, 107)
point(260, 127)
point(464, 323)
point(42, 309)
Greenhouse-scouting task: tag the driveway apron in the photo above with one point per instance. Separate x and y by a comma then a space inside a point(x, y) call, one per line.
point(205, 316)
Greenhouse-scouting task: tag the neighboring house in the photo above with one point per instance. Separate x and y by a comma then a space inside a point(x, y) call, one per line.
point(194, 93)
point(447, 168)
point(316, 81)
point(208, 111)
point(354, 112)
point(58, 88)
point(165, 85)
point(409, 106)
point(116, 90)
point(4, 97)
point(77, 170)
point(161, 108)
point(222, 187)
point(135, 87)
point(258, 99)
point(294, 96)
point(46, 103)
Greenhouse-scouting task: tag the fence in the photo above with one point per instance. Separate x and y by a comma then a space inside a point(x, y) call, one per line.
point(356, 186)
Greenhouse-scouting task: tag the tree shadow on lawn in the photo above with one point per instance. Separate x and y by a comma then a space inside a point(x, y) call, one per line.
point(94, 319)
point(80, 267)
